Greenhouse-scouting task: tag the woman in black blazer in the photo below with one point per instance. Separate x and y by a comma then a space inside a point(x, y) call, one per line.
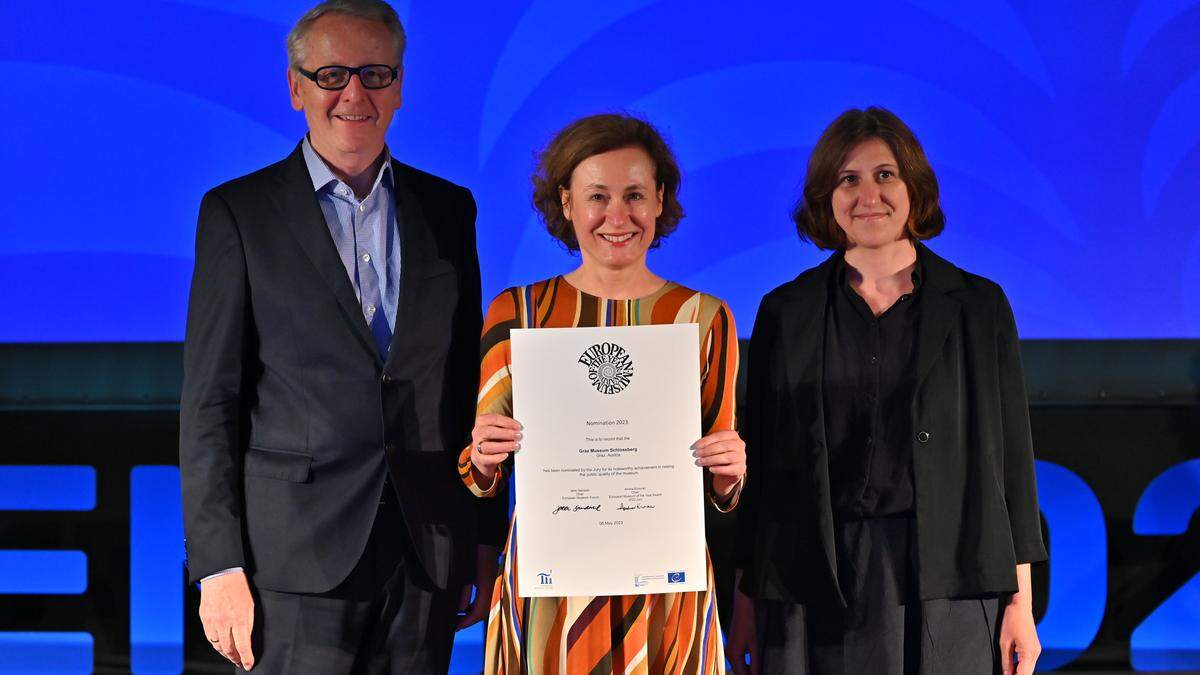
point(891, 513)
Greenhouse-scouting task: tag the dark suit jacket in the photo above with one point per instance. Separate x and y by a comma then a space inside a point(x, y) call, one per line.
point(976, 495)
point(289, 418)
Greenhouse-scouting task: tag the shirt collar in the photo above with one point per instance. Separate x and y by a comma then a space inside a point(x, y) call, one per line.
point(842, 271)
point(322, 175)
point(918, 273)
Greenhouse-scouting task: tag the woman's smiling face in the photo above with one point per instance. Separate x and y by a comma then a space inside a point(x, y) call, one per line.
point(613, 202)
point(870, 202)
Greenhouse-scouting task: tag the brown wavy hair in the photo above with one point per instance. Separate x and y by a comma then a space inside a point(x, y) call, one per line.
point(813, 214)
point(594, 135)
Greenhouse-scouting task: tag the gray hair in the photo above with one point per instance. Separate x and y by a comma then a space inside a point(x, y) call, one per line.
point(370, 10)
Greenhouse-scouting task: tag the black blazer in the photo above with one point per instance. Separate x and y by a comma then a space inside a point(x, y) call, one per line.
point(289, 418)
point(976, 495)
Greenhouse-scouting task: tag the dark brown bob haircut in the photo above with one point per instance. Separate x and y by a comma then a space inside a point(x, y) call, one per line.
point(813, 214)
point(595, 135)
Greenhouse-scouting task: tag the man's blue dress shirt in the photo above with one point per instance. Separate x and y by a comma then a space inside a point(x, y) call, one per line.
point(367, 236)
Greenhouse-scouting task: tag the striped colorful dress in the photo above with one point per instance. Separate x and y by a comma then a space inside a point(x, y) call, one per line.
point(644, 634)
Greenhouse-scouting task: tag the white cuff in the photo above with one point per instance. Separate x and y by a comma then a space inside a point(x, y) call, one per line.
point(222, 573)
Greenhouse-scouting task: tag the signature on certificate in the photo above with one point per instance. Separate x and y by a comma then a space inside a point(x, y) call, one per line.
point(571, 508)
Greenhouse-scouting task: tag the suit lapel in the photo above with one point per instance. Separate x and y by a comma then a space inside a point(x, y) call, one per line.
point(939, 310)
point(304, 217)
point(414, 251)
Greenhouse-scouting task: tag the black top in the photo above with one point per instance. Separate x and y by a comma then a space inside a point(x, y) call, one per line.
point(975, 491)
point(868, 388)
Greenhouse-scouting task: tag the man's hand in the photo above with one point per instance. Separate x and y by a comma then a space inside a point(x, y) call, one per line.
point(485, 578)
point(1018, 632)
point(227, 612)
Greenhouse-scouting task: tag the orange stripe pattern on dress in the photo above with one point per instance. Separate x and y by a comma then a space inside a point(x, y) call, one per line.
point(635, 634)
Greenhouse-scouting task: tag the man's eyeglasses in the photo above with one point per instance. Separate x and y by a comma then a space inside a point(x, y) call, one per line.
point(372, 76)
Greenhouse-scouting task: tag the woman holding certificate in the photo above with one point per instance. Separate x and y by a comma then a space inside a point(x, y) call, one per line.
point(606, 187)
point(894, 515)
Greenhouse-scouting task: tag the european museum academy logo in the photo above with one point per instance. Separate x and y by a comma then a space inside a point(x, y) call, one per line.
point(609, 367)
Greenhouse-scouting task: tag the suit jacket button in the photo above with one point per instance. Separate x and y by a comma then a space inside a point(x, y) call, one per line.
point(923, 436)
point(387, 379)
point(390, 448)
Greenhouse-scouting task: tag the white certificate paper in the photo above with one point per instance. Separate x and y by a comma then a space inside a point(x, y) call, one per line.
point(609, 497)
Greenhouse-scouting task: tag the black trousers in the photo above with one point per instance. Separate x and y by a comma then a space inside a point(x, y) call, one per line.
point(885, 628)
point(386, 617)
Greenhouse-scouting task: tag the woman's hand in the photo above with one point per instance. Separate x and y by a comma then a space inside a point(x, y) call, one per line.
point(1019, 644)
point(743, 633)
point(492, 439)
point(723, 453)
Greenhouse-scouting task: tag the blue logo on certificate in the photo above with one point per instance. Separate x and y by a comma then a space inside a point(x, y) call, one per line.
point(676, 577)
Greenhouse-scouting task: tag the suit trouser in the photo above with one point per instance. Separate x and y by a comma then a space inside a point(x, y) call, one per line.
point(386, 617)
point(885, 628)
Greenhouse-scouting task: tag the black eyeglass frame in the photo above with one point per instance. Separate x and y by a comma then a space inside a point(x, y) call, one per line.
point(312, 75)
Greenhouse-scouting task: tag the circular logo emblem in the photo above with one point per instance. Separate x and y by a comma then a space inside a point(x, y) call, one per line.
point(609, 367)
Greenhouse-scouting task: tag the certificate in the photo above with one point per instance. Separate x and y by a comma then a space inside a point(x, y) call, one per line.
point(609, 497)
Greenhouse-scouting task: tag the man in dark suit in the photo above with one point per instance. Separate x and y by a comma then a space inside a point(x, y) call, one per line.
point(330, 368)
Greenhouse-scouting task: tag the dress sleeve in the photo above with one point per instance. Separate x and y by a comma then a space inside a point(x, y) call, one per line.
point(495, 382)
point(718, 385)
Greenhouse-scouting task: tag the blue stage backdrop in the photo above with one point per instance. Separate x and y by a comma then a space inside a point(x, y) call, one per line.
point(1064, 135)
